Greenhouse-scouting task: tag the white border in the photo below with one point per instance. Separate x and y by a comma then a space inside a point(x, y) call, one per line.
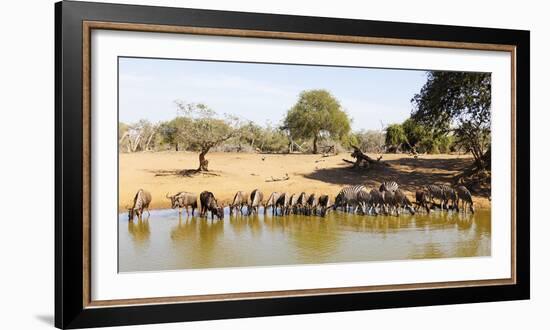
point(106, 283)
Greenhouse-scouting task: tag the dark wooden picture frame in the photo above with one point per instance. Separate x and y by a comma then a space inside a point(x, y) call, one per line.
point(73, 24)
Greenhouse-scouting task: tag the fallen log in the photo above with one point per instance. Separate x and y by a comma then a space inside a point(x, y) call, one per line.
point(286, 177)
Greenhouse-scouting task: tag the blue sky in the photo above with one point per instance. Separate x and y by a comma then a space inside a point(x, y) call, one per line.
point(262, 92)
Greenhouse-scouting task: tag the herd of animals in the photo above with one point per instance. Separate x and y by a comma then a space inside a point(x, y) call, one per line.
point(387, 199)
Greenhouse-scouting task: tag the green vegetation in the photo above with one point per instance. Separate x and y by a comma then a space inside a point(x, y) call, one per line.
point(317, 115)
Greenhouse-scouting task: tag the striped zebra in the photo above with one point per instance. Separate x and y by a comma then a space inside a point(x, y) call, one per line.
point(390, 202)
point(283, 202)
point(465, 197)
point(271, 202)
point(239, 201)
point(443, 193)
point(311, 205)
point(364, 200)
point(347, 197)
point(389, 186)
point(376, 201)
point(142, 199)
point(256, 199)
point(403, 202)
point(324, 205)
point(450, 195)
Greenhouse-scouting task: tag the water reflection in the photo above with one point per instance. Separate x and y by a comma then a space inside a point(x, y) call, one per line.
point(171, 241)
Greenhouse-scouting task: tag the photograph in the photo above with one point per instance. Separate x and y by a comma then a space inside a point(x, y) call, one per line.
point(244, 164)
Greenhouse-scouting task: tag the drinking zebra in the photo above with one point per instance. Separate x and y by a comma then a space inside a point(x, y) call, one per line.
point(256, 199)
point(444, 194)
point(239, 201)
point(364, 200)
point(389, 186)
point(283, 202)
point(311, 205)
point(348, 197)
point(323, 204)
point(465, 197)
point(376, 200)
point(403, 201)
point(142, 199)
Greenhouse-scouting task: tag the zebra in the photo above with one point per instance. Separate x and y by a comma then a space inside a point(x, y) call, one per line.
point(364, 200)
point(256, 199)
point(239, 201)
point(376, 200)
point(271, 202)
point(283, 202)
point(465, 197)
point(450, 194)
point(209, 203)
point(435, 192)
point(348, 197)
point(311, 205)
point(389, 186)
point(142, 199)
point(422, 200)
point(184, 200)
point(403, 201)
point(390, 202)
point(324, 204)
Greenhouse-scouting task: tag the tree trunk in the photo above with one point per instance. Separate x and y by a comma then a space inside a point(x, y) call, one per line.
point(315, 144)
point(203, 162)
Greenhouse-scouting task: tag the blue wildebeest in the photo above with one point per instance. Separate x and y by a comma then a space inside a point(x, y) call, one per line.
point(142, 199)
point(209, 203)
point(297, 202)
point(283, 202)
point(184, 200)
point(239, 201)
point(256, 199)
point(348, 197)
point(271, 202)
point(422, 200)
point(465, 197)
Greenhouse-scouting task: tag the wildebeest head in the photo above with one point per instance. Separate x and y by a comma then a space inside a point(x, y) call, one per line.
point(339, 201)
point(173, 200)
point(217, 210)
point(472, 207)
point(131, 213)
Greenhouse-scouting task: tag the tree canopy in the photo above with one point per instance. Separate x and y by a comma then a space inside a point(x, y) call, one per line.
point(317, 114)
point(457, 102)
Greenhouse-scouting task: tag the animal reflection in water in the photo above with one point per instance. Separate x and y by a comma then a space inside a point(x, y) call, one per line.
point(139, 230)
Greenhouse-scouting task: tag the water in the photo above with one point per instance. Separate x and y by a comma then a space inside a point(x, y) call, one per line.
point(167, 241)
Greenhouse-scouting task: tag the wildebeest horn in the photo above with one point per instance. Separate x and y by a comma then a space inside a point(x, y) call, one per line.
point(168, 196)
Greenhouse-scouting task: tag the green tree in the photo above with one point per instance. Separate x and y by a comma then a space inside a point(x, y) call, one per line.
point(204, 131)
point(395, 136)
point(458, 102)
point(317, 114)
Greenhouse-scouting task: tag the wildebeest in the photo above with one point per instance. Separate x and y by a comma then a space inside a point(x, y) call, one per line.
point(271, 202)
point(283, 202)
point(184, 200)
point(297, 202)
point(465, 197)
point(142, 199)
point(239, 201)
point(256, 199)
point(324, 205)
point(422, 200)
point(209, 203)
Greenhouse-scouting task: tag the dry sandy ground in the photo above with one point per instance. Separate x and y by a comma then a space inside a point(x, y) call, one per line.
point(161, 173)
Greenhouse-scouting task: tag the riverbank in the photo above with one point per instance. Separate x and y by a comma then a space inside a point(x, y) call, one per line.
point(170, 172)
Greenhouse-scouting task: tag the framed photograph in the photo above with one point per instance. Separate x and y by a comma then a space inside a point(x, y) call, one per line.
point(214, 164)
